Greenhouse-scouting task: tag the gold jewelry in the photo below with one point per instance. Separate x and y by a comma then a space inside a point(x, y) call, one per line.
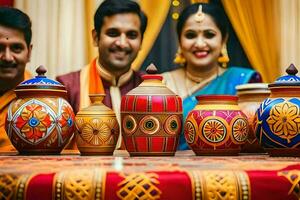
point(199, 17)
point(179, 58)
point(223, 59)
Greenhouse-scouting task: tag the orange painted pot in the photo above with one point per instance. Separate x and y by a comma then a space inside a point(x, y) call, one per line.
point(97, 128)
point(40, 120)
point(216, 126)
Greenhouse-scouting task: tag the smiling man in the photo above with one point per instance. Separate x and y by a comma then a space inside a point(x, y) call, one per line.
point(15, 50)
point(118, 31)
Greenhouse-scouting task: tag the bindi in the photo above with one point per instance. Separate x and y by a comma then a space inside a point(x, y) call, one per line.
point(7, 38)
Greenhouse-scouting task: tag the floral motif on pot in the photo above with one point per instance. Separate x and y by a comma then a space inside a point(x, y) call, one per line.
point(190, 132)
point(66, 121)
point(240, 130)
point(96, 132)
point(33, 121)
point(214, 131)
point(284, 120)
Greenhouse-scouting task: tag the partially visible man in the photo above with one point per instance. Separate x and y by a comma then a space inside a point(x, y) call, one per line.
point(119, 26)
point(15, 50)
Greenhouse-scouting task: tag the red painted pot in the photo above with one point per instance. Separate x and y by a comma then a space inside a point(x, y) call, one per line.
point(216, 126)
point(151, 118)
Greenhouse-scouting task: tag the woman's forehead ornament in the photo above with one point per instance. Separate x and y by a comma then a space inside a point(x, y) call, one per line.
point(199, 15)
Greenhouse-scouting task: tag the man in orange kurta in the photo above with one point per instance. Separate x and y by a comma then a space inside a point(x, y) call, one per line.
point(15, 50)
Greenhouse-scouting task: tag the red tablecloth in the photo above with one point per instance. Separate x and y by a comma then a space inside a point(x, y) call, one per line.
point(185, 176)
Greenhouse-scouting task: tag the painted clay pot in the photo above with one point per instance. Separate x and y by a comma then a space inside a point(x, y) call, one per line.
point(151, 118)
point(97, 128)
point(216, 126)
point(278, 117)
point(40, 120)
point(251, 95)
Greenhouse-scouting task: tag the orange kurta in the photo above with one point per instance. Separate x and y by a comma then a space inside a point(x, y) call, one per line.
point(5, 100)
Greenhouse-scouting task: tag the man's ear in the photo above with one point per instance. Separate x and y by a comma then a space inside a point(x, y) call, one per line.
point(29, 52)
point(95, 38)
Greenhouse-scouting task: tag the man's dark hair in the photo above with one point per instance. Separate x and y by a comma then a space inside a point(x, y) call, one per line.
point(113, 7)
point(16, 19)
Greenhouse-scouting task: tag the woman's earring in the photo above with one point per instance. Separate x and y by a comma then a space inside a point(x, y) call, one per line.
point(179, 58)
point(223, 59)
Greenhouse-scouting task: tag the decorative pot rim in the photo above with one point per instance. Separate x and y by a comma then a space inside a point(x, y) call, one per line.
point(152, 77)
point(252, 86)
point(217, 97)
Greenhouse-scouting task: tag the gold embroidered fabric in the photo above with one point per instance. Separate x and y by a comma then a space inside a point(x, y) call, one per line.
point(220, 185)
point(140, 186)
point(293, 176)
point(80, 184)
point(8, 184)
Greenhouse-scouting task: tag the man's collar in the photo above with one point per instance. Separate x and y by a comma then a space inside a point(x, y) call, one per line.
point(107, 76)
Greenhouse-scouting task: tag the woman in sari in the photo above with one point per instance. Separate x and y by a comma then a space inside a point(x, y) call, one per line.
point(202, 33)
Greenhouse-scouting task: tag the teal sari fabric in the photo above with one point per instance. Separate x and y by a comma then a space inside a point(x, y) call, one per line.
point(223, 84)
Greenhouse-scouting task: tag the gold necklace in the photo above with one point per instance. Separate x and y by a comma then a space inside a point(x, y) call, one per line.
point(194, 83)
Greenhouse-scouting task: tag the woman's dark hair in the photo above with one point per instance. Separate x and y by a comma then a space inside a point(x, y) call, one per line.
point(113, 7)
point(213, 10)
point(16, 19)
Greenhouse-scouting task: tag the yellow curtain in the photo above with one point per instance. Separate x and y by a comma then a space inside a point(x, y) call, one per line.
point(290, 33)
point(58, 34)
point(156, 11)
point(257, 26)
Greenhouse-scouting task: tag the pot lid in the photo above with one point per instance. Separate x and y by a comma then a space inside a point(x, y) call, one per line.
point(152, 84)
point(40, 83)
point(255, 88)
point(152, 73)
point(288, 80)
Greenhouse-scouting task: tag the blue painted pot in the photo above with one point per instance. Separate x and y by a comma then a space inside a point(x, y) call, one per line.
point(277, 121)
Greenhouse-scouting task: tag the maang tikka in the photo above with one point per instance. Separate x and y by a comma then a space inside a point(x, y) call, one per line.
point(199, 17)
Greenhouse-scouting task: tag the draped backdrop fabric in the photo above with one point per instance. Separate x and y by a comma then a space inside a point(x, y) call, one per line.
point(59, 37)
point(257, 25)
point(290, 33)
